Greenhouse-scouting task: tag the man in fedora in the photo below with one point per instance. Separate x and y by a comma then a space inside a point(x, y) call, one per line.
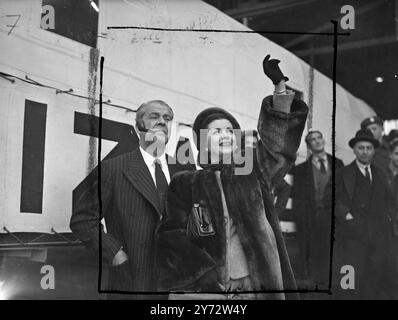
point(363, 209)
point(382, 153)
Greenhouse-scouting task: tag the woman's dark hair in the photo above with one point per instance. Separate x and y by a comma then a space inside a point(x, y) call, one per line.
point(216, 116)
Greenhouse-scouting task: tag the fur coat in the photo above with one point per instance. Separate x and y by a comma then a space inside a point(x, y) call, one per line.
point(250, 204)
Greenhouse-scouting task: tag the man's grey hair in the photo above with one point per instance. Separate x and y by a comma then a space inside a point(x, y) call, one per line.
point(141, 109)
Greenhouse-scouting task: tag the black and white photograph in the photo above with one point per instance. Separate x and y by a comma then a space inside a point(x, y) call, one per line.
point(216, 151)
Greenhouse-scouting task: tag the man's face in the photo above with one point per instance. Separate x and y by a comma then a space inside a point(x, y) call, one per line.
point(315, 142)
point(394, 157)
point(376, 129)
point(221, 139)
point(364, 152)
point(157, 120)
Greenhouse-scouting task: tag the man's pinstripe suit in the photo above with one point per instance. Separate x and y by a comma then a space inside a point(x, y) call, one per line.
point(131, 209)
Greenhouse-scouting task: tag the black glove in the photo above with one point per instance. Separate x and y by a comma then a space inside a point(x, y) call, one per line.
point(209, 282)
point(272, 70)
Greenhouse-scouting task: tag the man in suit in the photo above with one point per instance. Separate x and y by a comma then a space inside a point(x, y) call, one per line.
point(313, 220)
point(363, 209)
point(382, 154)
point(133, 190)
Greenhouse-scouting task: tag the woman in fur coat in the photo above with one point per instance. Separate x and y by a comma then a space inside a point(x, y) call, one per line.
point(221, 234)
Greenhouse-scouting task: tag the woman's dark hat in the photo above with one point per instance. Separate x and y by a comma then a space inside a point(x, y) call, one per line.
point(208, 115)
point(364, 135)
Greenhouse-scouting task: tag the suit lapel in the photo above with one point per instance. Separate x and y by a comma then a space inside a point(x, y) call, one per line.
point(138, 174)
point(349, 178)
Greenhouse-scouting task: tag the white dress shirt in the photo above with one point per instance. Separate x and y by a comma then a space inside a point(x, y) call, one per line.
point(150, 163)
point(362, 167)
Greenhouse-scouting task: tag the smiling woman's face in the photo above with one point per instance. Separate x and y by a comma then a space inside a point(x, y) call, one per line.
point(221, 139)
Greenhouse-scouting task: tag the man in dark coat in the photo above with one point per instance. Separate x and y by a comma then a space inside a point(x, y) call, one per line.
point(382, 154)
point(363, 208)
point(310, 179)
point(133, 188)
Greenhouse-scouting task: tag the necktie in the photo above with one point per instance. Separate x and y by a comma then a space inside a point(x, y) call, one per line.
point(367, 174)
point(323, 167)
point(161, 184)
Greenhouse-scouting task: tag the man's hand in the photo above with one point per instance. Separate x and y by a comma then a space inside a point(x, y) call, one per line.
point(349, 216)
point(119, 258)
point(272, 70)
point(120, 273)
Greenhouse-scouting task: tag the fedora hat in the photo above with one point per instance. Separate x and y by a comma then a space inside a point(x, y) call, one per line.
point(363, 135)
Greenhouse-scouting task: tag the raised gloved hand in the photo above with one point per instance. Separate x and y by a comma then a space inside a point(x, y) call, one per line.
point(272, 70)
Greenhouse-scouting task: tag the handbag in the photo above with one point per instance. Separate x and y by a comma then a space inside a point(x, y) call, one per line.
point(199, 222)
